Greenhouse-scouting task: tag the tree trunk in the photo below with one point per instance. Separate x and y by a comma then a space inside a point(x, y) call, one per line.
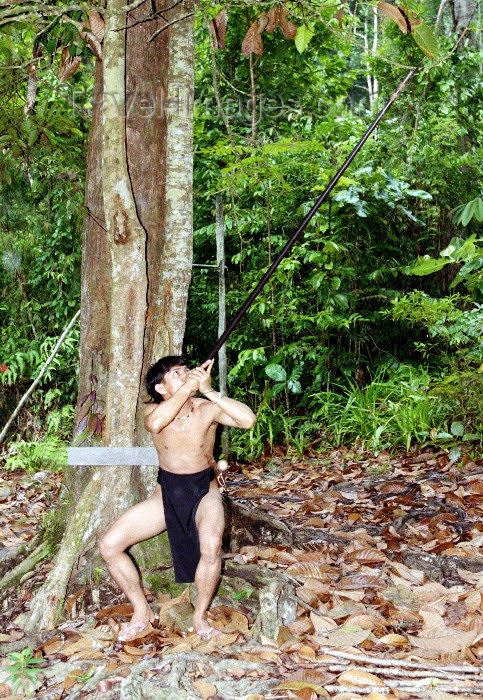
point(463, 11)
point(136, 270)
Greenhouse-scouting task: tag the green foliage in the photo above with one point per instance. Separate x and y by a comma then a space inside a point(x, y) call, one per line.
point(453, 320)
point(469, 252)
point(305, 32)
point(401, 405)
point(23, 671)
point(464, 213)
point(49, 453)
point(395, 408)
point(343, 301)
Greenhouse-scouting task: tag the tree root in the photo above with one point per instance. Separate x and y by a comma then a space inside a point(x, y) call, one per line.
point(10, 555)
point(47, 604)
point(26, 566)
point(442, 568)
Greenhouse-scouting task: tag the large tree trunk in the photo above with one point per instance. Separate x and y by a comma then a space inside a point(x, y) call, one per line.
point(136, 268)
point(464, 11)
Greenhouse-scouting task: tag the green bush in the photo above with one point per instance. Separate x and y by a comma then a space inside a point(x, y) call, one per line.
point(49, 453)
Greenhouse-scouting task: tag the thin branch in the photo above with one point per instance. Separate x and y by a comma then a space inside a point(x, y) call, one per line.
point(441, 9)
point(149, 18)
point(190, 14)
point(216, 87)
point(363, 658)
point(96, 219)
point(223, 77)
point(21, 65)
point(138, 3)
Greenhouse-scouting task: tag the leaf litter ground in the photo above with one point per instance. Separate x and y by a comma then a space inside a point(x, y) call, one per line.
point(364, 579)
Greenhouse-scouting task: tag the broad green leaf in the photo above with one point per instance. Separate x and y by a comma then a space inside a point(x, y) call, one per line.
point(304, 34)
point(457, 428)
point(422, 194)
point(294, 386)
point(425, 38)
point(454, 453)
point(425, 266)
point(467, 214)
point(276, 372)
point(448, 251)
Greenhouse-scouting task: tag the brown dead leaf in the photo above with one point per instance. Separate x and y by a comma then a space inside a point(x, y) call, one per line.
point(367, 556)
point(396, 14)
point(357, 676)
point(454, 641)
point(306, 652)
point(229, 619)
point(218, 29)
point(315, 522)
point(206, 690)
point(321, 623)
point(70, 67)
point(360, 581)
point(310, 570)
point(368, 622)
point(134, 651)
point(289, 29)
point(252, 41)
point(301, 626)
point(300, 685)
point(394, 640)
point(344, 636)
point(122, 610)
point(272, 20)
point(96, 24)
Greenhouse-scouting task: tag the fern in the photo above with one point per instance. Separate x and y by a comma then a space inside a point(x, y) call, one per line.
point(50, 453)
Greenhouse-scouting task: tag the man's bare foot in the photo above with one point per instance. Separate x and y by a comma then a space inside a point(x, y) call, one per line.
point(204, 630)
point(138, 626)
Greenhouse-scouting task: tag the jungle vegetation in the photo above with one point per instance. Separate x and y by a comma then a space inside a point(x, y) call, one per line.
point(370, 331)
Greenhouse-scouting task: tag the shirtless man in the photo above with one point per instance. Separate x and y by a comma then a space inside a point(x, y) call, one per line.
point(186, 500)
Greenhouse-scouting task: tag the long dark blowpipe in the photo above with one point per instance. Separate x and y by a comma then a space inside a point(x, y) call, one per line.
point(290, 243)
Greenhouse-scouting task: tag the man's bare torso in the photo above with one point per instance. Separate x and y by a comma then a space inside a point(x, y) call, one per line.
point(186, 446)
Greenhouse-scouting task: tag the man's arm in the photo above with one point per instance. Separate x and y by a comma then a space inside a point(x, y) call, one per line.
point(167, 410)
point(230, 412)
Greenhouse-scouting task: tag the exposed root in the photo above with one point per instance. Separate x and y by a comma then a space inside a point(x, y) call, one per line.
point(26, 566)
point(47, 605)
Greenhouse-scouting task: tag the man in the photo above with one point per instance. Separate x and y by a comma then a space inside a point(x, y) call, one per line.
point(186, 500)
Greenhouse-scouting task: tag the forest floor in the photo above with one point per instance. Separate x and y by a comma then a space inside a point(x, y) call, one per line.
point(350, 576)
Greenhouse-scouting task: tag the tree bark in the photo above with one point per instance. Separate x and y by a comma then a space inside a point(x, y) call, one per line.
point(136, 270)
point(463, 12)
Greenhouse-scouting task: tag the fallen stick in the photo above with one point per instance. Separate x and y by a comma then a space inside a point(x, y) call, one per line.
point(430, 673)
point(362, 658)
point(422, 689)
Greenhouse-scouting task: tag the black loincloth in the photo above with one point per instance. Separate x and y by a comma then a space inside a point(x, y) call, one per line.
point(182, 494)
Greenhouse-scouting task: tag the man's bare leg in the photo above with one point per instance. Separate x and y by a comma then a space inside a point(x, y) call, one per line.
point(210, 524)
point(140, 522)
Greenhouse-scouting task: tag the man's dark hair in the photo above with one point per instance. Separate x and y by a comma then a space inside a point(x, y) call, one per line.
point(157, 371)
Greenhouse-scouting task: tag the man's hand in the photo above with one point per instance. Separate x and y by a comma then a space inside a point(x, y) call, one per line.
point(192, 382)
point(202, 375)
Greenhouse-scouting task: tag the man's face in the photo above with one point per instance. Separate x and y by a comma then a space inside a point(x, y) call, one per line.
point(172, 381)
